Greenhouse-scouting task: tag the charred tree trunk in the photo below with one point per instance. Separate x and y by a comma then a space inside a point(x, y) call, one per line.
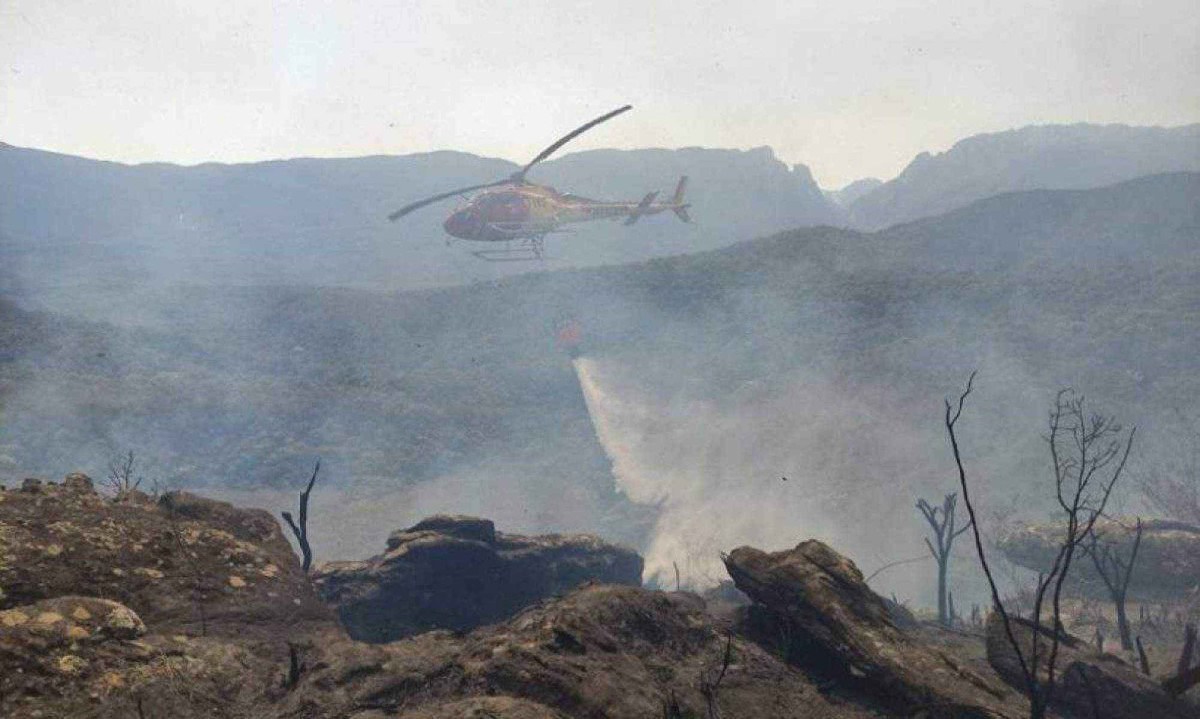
point(1123, 623)
point(1115, 570)
point(301, 530)
point(942, 521)
point(943, 608)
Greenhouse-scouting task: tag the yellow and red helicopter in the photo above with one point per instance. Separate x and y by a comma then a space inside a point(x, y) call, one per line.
point(516, 210)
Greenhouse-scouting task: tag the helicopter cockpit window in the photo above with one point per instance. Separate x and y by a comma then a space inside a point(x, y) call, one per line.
point(505, 207)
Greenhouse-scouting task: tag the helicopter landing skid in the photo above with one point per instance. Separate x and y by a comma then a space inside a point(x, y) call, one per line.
point(533, 248)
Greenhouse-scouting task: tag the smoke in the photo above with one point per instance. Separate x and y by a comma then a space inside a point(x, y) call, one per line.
point(764, 465)
point(351, 520)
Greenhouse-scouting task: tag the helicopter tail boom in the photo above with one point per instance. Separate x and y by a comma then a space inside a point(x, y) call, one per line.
point(641, 208)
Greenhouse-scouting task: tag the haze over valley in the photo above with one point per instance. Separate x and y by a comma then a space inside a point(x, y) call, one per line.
point(605, 360)
point(230, 323)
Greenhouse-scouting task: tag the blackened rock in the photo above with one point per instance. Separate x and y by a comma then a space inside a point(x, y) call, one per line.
point(1089, 683)
point(458, 573)
point(816, 603)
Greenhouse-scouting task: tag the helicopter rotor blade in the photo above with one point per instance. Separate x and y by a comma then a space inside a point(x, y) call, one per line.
point(438, 198)
point(567, 138)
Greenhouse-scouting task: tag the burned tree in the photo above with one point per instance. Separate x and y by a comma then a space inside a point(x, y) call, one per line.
point(122, 474)
point(1088, 454)
point(1115, 569)
point(1186, 676)
point(942, 521)
point(710, 681)
point(296, 666)
point(301, 530)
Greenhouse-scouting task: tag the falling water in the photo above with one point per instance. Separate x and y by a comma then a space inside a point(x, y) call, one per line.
point(716, 473)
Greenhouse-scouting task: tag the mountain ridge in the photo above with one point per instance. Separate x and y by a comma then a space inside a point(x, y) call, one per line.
point(323, 222)
point(1052, 156)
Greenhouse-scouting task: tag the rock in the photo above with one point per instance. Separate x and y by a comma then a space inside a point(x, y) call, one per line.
point(73, 617)
point(835, 626)
point(79, 482)
point(122, 623)
point(462, 527)
point(1087, 680)
point(253, 525)
point(208, 617)
point(170, 563)
point(459, 573)
point(84, 656)
point(1167, 566)
point(608, 651)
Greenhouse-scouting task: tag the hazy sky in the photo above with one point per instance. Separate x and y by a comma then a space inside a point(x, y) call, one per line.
point(852, 89)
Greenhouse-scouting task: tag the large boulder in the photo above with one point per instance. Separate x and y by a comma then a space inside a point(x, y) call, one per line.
point(814, 603)
point(201, 601)
point(1089, 683)
point(457, 573)
point(602, 651)
point(80, 656)
point(1167, 566)
point(184, 564)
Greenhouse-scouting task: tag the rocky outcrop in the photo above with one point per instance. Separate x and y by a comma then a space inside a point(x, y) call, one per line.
point(200, 601)
point(89, 657)
point(1089, 683)
point(1167, 566)
point(814, 604)
point(452, 572)
point(184, 564)
point(598, 651)
point(601, 651)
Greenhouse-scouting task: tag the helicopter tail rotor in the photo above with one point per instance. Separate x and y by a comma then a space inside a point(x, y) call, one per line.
point(678, 206)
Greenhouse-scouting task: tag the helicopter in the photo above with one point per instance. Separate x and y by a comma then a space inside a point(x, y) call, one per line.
point(516, 210)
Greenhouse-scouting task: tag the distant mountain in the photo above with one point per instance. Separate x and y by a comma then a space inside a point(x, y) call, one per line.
point(71, 221)
point(1051, 157)
point(1145, 222)
point(848, 194)
point(819, 354)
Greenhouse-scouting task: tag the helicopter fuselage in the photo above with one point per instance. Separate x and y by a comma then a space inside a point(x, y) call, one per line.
point(526, 210)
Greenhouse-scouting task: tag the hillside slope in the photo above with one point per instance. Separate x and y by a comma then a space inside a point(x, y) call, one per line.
point(819, 354)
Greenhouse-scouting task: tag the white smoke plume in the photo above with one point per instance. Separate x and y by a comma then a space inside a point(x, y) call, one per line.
point(765, 466)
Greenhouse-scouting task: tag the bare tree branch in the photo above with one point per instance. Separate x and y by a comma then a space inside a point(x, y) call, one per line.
point(1087, 460)
point(951, 420)
point(896, 563)
point(122, 474)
